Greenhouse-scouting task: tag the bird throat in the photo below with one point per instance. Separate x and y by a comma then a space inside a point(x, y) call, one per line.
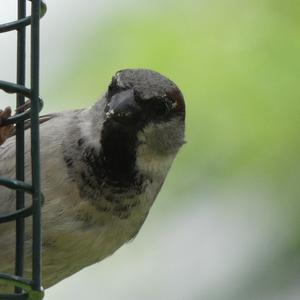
point(113, 167)
point(107, 172)
point(118, 153)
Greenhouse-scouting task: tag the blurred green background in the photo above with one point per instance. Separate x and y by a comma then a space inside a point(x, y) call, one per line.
point(226, 224)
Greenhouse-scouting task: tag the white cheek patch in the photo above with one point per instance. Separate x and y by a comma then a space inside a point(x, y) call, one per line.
point(149, 160)
point(151, 164)
point(163, 138)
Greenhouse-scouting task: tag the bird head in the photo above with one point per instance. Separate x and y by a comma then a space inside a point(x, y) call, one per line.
point(141, 119)
point(128, 140)
point(150, 106)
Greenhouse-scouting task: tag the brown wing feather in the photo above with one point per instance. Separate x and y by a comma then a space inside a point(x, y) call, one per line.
point(8, 131)
point(27, 123)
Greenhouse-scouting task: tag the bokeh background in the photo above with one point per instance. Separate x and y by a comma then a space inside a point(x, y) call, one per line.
point(226, 224)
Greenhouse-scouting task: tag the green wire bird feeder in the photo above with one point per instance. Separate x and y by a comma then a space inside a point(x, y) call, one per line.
point(25, 288)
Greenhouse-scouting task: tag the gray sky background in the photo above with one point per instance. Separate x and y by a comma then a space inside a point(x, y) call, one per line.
point(62, 25)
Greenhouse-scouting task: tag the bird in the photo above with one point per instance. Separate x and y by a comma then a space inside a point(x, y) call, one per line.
point(102, 168)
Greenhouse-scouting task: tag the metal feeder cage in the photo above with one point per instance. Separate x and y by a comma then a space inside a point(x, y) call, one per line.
point(25, 288)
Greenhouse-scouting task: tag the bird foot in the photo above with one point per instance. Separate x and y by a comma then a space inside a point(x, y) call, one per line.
point(5, 130)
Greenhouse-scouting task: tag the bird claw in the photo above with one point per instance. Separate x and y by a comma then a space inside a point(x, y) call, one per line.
point(5, 130)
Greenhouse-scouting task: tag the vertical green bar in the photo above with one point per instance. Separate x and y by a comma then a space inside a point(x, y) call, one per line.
point(20, 172)
point(35, 149)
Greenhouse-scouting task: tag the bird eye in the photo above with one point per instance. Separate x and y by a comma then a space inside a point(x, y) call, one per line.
point(160, 108)
point(163, 106)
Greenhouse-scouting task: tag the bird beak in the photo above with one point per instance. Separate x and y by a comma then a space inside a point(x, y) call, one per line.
point(122, 106)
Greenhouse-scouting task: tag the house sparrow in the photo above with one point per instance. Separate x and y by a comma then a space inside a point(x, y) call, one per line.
point(102, 168)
